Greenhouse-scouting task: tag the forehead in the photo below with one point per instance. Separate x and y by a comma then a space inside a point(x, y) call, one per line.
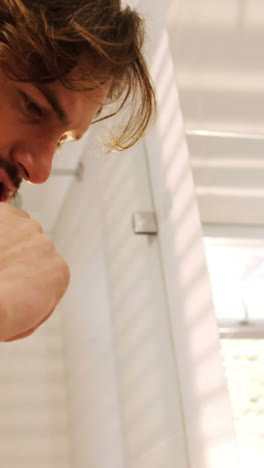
point(75, 109)
point(83, 105)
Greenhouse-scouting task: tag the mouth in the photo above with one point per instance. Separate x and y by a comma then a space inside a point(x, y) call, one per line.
point(5, 194)
point(7, 189)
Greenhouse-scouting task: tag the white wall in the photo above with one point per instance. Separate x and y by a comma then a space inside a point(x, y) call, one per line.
point(125, 406)
point(146, 381)
point(145, 384)
point(33, 400)
point(206, 407)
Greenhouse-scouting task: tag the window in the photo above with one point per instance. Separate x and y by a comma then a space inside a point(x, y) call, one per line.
point(236, 268)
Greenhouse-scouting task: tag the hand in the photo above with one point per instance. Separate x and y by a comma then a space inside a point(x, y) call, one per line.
point(33, 276)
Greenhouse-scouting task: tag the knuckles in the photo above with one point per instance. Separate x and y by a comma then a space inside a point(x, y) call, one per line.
point(61, 268)
point(31, 255)
point(8, 210)
point(34, 245)
point(33, 225)
point(65, 274)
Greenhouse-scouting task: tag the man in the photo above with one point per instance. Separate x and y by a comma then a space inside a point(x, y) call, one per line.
point(61, 63)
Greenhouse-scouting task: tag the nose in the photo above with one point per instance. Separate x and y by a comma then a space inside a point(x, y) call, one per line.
point(35, 164)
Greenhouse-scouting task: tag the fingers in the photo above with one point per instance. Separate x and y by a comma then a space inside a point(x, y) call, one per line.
point(33, 276)
point(7, 208)
point(21, 336)
point(30, 331)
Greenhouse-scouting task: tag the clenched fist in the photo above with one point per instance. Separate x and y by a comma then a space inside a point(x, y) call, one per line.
point(33, 276)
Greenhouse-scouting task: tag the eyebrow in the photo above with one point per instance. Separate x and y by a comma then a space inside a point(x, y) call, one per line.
point(53, 101)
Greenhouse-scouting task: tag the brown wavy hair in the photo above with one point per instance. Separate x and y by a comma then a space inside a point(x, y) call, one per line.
point(42, 41)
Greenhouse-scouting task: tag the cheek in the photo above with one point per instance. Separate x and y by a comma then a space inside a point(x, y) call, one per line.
point(9, 119)
point(9, 131)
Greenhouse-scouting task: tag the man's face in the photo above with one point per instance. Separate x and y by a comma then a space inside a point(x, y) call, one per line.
point(34, 120)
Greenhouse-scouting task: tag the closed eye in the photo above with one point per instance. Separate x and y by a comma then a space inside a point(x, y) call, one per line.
point(31, 109)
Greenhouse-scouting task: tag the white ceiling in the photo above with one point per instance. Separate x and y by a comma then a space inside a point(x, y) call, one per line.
point(217, 49)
